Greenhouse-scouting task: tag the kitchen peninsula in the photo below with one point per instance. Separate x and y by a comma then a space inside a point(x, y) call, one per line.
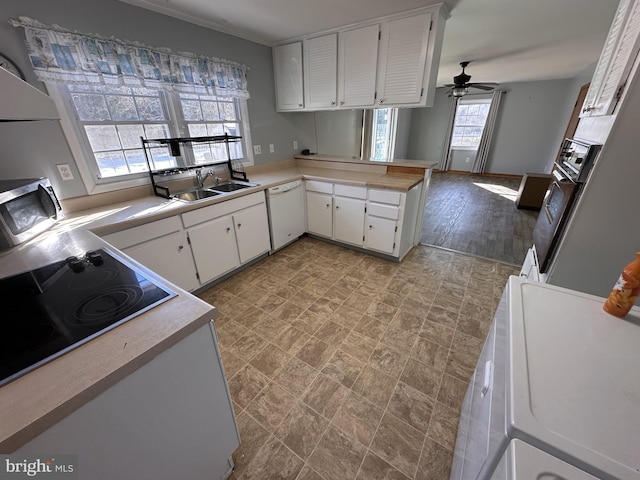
point(95, 382)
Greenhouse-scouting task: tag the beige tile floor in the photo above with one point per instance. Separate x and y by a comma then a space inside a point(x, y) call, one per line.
point(342, 365)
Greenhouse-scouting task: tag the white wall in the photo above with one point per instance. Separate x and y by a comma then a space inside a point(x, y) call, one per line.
point(338, 132)
point(33, 149)
point(429, 128)
point(462, 159)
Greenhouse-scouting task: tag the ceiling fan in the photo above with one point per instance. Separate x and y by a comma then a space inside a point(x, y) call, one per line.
point(460, 86)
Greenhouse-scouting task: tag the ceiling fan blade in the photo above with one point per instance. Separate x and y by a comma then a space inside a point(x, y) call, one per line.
point(481, 86)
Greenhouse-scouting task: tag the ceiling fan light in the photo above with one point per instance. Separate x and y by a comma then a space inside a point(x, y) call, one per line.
point(459, 91)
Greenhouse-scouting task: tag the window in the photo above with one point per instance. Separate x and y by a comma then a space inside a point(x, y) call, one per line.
point(110, 119)
point(379, 134)
point(471, 115)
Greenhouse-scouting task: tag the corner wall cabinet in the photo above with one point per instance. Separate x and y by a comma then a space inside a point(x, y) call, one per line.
point(385, 62)
point(616, 61)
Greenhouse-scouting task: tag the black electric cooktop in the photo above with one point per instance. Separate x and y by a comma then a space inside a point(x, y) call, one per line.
point(51, 310)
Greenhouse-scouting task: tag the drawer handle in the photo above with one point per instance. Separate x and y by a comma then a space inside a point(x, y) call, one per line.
point(328, 205)
point(239, 225)
point(180, 247)
point(370, 227)
point(337, 207)
point(333, 103)
point(342, 103)
point(486, 380)
point(228, 229)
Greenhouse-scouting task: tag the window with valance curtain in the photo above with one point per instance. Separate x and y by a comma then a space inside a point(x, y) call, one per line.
point(115, 91)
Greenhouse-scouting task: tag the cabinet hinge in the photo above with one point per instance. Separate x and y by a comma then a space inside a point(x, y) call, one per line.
point(431, 25)
point(363, 238)
point(421, 92)
point(394, 245)
point(365, 209)
point(620, 90)
point(375, 95)
point(188, 240)
point(396, 229)
point(197, 275)
point(379, 35)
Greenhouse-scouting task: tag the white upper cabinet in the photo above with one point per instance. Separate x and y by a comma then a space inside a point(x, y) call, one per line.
point(287, 67)
point(320, 71)
point(384, 62)
point(403, 53)
point(357, 63)
point(615, 63)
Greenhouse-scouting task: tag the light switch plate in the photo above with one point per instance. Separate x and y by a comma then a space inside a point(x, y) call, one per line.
point(295, 144)
point(272, 148)
point(65, 171)
point(257, 149)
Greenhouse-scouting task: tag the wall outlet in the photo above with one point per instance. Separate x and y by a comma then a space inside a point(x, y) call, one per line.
point(295, 144)
point(257, 149)
point(65, 171)
point(272, 148)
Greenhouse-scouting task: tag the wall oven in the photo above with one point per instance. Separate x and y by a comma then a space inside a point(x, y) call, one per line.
point(571, 169)
point(28, 207)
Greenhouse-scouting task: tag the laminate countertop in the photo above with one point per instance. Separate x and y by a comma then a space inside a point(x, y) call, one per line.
point(41, 398)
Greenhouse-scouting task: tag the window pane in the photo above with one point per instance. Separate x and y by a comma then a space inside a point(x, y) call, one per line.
point(102, 137)
point(91, 107)
point(161, 158)
point(228, 111)
point(463, 109)
point(136, 160)
point(210, 111)
point(111, 164)
point(130, 135)
point(122, 108)
point(202, 154)
point(191, 110)
point(473, 109)
point(232, 129)
point(197, 130)
point(149, 108)
point(156, 131)
point(215, 129)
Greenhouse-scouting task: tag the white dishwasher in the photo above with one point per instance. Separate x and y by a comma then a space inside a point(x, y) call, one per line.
point(286, 213)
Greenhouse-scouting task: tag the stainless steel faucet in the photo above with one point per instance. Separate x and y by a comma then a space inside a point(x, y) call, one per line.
point(200, 178)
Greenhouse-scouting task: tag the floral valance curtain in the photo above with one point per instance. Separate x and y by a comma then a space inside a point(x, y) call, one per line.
point(62, 56)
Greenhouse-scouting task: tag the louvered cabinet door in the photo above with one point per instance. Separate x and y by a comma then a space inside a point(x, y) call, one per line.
point(403, 52)
point(287, 67)
point(615, 63)
point(320, 71)
point(357, 62)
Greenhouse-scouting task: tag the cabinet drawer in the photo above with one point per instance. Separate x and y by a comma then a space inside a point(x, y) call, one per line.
point(391, 197)
point(384, 211)
point(203, 214)
point(320, 187)
point(350, 191)
point(144, 233)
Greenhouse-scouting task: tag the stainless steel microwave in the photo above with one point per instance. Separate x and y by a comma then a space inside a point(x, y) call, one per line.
point(28, 207)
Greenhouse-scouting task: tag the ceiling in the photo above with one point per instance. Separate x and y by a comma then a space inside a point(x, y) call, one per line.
point(505, 40)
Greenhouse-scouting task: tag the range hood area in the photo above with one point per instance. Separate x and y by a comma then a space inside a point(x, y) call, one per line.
point(21, 101)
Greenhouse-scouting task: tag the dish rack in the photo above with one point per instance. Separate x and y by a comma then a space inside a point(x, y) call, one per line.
point(181, 148)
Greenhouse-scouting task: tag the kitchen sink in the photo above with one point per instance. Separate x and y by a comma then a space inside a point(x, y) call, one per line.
point(227, 187)
point(197, 194)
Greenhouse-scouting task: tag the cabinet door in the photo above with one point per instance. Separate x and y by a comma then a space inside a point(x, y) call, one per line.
point(357, 62)
point(214, 248)
point(170, 257)
point(319, 214)
point(287, 67)
point(320, 71)
point(401, 64)
point(615, 63)
point(380, 234)
point(252, 232)
point(349, 220)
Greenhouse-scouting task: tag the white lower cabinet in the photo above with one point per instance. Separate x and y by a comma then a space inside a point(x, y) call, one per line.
point(160, 246)
point(320, 214)
point(171, 418)
point(380, 234)
point(226, 235)
point(214, 248)
point(348, 220)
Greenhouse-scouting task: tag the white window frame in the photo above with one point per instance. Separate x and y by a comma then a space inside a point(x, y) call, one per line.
point(369, 133)
point(83, 154)
point(468, 101)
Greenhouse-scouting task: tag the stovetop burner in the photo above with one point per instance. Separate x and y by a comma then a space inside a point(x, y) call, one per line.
point(55, 308)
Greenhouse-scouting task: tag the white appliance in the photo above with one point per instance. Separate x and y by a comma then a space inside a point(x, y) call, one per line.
point(560, 374)
point(521, 461)
point(286, 210)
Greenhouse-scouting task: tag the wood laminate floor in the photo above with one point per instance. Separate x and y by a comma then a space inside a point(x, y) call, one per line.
point(345, 366)
point(476, 214)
